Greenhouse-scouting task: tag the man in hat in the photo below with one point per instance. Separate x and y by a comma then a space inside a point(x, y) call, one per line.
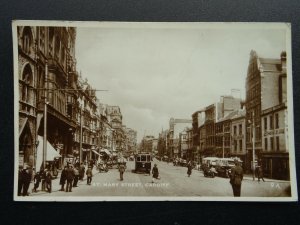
point(20, 180)
point(27, 175)
point(236, 178)
point(260, 174)
point(121, 170)
point(89, 175)
point(70, 177)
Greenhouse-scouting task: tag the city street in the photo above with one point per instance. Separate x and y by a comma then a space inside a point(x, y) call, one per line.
point(174, 182)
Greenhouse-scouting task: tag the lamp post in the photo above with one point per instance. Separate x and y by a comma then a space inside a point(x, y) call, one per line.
point(45, 118)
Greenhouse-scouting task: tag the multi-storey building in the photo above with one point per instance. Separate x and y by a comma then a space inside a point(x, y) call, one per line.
point(213, 114)
point(47, 68)
point(238, 137)
point(162, 143)
point(115, 119)
point(176, 126)
point(266, 105)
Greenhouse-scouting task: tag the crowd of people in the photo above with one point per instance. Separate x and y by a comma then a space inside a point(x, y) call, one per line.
point(70, 175)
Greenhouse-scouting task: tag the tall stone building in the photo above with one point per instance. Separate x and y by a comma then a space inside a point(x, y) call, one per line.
point(115, 118)
point(46, 68)
point(266, 110)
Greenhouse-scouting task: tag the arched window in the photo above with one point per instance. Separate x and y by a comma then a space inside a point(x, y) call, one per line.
point(27, 79)
point(27, 39)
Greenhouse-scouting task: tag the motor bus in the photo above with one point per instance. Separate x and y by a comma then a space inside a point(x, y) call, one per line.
point(143, 163)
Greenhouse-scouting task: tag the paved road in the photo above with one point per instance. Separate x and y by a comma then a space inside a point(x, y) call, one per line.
point(174, 182)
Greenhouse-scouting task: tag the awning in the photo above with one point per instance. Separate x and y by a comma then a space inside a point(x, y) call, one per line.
point(106, 151)
point(50, 155)
point(97, 153)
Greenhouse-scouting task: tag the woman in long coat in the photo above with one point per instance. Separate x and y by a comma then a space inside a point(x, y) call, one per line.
point(154, 173)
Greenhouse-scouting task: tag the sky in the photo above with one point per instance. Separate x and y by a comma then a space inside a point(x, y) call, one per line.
point(155, 71)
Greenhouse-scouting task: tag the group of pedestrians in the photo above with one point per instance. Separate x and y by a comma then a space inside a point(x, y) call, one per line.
point(70, 176)
point(24, 179)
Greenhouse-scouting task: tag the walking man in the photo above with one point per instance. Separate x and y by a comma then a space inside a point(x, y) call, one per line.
point(48, 181)
point(81, 171)
point(76, 178)
point(189, 166)
point(89, 175)
point(63, 178)
point(70, 178)
point(36, 181)
point(260, 174)
point(27, 175)
point(121, 170)
point(20, 180)
point(236, 179)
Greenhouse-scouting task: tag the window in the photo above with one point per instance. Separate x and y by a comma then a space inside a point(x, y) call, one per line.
point(241, 145)
point(271, 122)
point(276, 121)
point(266, 123)
point(272, 143)
point(27, 40)
point(266, 144)
point(277, 144)
point(234, 130)
point(27, 82)
point(240, 129)
point(235, 145)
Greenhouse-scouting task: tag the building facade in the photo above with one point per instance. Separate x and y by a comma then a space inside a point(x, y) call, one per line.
point(266, 111)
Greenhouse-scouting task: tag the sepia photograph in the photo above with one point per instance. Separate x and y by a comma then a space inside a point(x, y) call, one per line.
point(153, 111)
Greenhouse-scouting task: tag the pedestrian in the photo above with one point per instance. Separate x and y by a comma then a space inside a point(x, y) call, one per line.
point(81, 171)
point(89, 175)
point(27, 175)
point(70, 177)
point(236, 179)
point(155, 173)
point(20, 180)
point(121, 170)
point(76, 177)
point(63, 178)
point(260, 174)
point(36, 181)
point(43, 178)
point(48, 181)
point(189, 166)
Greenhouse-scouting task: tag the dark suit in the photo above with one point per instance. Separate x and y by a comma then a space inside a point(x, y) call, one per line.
point(121, 170)
point(236, 180)
point(70, 177)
